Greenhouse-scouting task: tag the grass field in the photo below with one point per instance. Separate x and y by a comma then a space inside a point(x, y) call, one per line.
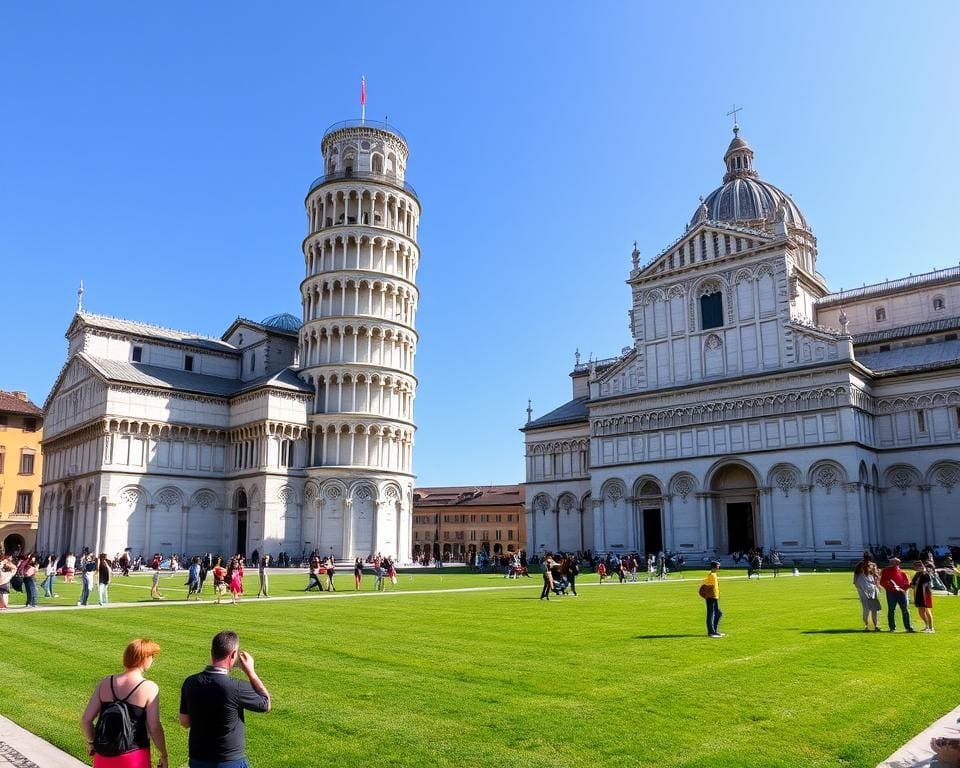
point(622, 675)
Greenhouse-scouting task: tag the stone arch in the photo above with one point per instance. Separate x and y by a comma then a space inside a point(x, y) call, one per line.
point(901, 477)
point(683, 484)
point(784, 477)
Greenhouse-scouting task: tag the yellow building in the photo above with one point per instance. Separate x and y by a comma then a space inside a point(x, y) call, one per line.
point(20, 471)
point(457, 522)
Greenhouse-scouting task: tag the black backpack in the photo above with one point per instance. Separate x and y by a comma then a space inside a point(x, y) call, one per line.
point(115, 733)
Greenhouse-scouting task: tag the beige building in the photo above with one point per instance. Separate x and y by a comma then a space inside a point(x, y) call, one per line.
point(20, 434)
point(457, 521)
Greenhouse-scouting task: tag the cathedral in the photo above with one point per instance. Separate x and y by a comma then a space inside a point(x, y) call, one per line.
point(755, 407)
point(288, 434)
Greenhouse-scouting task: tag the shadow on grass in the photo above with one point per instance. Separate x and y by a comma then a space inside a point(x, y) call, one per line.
point(836, 632)
point(664, 637)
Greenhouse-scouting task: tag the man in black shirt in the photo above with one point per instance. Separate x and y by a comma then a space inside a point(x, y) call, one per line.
point(212, 705)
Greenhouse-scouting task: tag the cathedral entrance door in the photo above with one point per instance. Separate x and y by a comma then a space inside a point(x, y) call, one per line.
point(242, 532)
point(652, 531)
point(740, 536)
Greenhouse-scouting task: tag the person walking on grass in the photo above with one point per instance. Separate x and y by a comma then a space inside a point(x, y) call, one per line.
point(548, 564)
point(50, 576)
point(572, 570)
point(7, 570)
point(866, 578)
point(896, 583)
point(357, 573)
point(601, 571)
point(331, 571)
point(88, 566)
point(219, 581)
point(103, 578)
point(262, 566)
point(710, 592)
point(27, 570)
point(193, 578)
point(235, 578)
point(922, 586)
point(314, 575)
point(141, 700)
point(155, 585)
point(212, 705)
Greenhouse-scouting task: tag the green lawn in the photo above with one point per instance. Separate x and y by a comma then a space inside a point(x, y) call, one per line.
point(622, 675)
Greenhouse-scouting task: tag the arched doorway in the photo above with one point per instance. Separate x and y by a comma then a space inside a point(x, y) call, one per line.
point(735, 504)
point(14, 544)
point(650, 506)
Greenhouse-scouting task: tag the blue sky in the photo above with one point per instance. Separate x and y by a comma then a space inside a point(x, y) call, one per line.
point(161, 152)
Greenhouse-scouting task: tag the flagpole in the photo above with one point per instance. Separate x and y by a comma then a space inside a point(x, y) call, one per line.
point(363, 99)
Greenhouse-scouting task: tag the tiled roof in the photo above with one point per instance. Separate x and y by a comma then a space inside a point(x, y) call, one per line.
point(189, 381)
point(891, 286)
point(918, 357)
point(145, 330)
point(468, 495)
point(11, 402)
point(905, 331)
point(572, 412)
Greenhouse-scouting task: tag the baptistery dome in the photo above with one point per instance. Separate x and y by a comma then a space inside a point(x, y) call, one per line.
point(744, 197)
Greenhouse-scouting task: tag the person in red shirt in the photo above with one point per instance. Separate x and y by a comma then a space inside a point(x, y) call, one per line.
point(896, 583)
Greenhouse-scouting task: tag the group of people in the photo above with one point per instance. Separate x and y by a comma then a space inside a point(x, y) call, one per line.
point(897, 585)
point(559, 575)
point(122, 718)
point(19, 574)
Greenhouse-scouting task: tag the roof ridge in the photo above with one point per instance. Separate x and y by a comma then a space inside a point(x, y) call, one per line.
point(99, 316)
point(892, 285)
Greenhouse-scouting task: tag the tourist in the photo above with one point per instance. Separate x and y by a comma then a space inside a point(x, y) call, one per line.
point(155, 587)
point(314, 576)
point(212, 705)
point(50, 574)
point(219, 581)
point(922, 586)
point(601, 571)
point(895, 583)
point(776, 563)
point(69, 567)
point(571, 569)
point(754, 562)
point(28, 572)
point(103, 578)
point(948, 574)
point(193, 578)
point(7, 571)
point(357, 573)
point(141, 698)
point(710, 592)
point(235, 578)
point(331, 570)
point(87, 567)
point(380, 572)
point(661, 566)
point(866, 578)
point(262, 565)
point(547, 576)
point(392, 571)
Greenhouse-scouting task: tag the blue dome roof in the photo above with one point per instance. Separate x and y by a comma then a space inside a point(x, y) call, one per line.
point(284, 321)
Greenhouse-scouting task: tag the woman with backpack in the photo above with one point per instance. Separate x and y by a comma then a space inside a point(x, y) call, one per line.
point(126, 708)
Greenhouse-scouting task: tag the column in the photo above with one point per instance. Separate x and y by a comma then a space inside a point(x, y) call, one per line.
point(930, 535)
point(669, 532)
point(767, 529)
point(633, 544)
point(810, 528)
point(703, 500)
point(184, 523)
point(146, 535)
point(103, 518)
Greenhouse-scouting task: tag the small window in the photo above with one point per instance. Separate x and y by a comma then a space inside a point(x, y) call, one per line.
point(921, 422)
point(26, 463)
point(3, 455)
point(253, 362)
point(938, 303)
point(711, 310)
point(884, 347)
point(3, 420)
point(137, 354)
point(24, 503)
point(188, 363)
point(881, 314)
point(950, 337)
point(29, 425)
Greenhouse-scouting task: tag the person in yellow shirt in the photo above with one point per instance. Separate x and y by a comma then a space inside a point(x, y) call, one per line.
point(711, 596)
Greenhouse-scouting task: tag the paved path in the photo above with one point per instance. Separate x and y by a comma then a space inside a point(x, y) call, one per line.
point(21, 749)
point(916, 753)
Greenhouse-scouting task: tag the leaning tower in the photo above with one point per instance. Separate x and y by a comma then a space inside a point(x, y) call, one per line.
point(357, 344)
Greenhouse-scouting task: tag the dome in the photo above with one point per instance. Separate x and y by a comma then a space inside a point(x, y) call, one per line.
point(284, 321)
point(744, 197)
